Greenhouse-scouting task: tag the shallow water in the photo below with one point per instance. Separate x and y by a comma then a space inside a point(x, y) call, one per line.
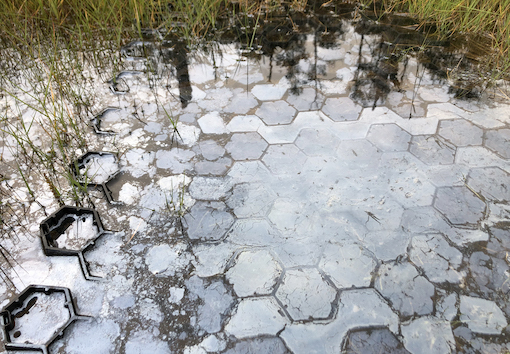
point(323, 192)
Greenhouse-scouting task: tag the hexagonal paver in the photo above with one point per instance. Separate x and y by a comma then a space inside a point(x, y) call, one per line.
point(251, 200)
point(212, 123)
point(499, 142)
point(284, 159)
point(389, 137)
point(275, 113)
point(459, 205)
point(317, 142)
point(411, 189)
point(491, 182)
point(437, 258)
point(255, 317)
point(209, 188)
point(308, 100)
point(460, 132)
point(358, 308)
point(358, 154)
point(306, 295)
point(246, 146)
point(210, 150)
point(482, 316)
point(428, 334)
point(408, 292)
point(244, 124)
point(268, 92)
point(254, 232)
point(208, 221)
point(432, 150)
point(373, 341)
point(287, 215)
point(254, 273)
point(341, 109)
point(348, 265)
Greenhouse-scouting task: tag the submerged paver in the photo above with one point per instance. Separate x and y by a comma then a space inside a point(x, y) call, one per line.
point(460, 205)
point(348, 265)
point(254, 273)
point(306, 295)
point(408, 292)
point(428, 335)
point(481, 316)
point(439, 260)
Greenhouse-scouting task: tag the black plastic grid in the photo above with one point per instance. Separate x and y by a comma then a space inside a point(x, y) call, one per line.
point(55, 225)
point(82, 179)
point(9, 318)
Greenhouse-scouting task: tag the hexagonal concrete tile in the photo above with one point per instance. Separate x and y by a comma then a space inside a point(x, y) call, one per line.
point(491, 182)
point(288, 215)
point(275, 113)
point(254, 273)
point(284, 159)
point(341, 109)
point(437, 258)
point(306, 295)
point(459, 205)
point(373, 341)
point(389, 137)
point(246, 146)
point(308, 100)
point(268, 92)
point(408, 292)
point(208, 221)
point(317, 142)
point(358, 154)
point(251, 200)
point(432, 150)
point(460, 132)
point(254, 232)
point(348, 265)
point(498, 141)
point(255, 317)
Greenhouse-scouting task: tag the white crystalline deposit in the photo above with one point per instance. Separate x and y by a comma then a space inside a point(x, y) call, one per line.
point(99, 168)
point(176, 294)
point(129, 193)
point(47, 315)
point(187, 134)
point(164, 260)
point(78, 233)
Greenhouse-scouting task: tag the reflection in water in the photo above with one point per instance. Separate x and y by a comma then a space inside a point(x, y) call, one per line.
point(283, 40)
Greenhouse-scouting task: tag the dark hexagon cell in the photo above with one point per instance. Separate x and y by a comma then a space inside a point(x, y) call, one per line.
point(273, 345)
point(373, 341)
point(459, 205)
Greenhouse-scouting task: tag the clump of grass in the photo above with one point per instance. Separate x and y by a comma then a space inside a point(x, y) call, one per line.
point(487, 20)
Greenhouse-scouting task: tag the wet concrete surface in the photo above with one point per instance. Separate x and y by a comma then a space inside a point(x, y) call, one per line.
point(290, 213)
